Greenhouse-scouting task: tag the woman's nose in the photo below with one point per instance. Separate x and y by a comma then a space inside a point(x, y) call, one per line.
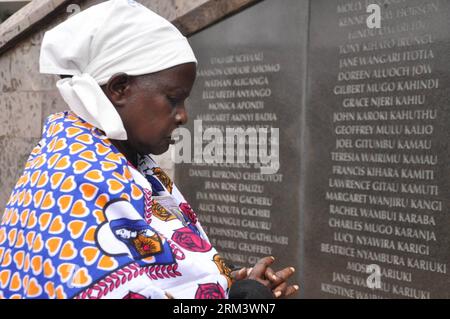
point(181, 117)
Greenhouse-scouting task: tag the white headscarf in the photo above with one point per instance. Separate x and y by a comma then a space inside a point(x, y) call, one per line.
point(108, 38)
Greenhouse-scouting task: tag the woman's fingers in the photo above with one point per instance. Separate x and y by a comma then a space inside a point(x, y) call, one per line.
point(277, 281)
point(259, 270)
point(279, 290)
point(290, 290)
point(282, 289)
point(285, 273)
point(239, 274)
point(280, 276)
point(272, 277)
point(285, 290)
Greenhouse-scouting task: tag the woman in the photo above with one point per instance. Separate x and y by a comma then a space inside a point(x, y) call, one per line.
point(93, 216)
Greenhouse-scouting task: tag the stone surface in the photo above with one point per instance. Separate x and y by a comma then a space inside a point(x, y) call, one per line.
point(25, 66)
point(14, 154)
point(376, 166)
point(21, 114)
point(209, 12)
point(171, 9)
point(13, 26)
point(6, 79)
point(251, 73)
point(52, 103)
point(25, 19)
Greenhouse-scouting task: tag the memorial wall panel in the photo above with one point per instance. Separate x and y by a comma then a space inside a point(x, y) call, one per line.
point(378, 120)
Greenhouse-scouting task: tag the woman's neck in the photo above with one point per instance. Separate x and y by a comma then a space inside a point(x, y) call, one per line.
point(130, 154)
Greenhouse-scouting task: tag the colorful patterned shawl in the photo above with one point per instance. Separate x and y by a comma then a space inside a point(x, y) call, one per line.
point(82, 222)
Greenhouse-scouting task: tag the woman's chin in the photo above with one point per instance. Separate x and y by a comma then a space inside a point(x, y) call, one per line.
point(159, 152)
point(160, 149)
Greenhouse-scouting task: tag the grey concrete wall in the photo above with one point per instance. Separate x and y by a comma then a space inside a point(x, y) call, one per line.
point(28, 97)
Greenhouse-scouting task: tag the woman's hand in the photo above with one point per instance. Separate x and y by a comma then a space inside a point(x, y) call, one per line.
point(280, 287)
point(276, 281)
point(240, 274)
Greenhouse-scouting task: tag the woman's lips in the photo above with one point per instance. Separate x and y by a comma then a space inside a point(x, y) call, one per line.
point(171, 140)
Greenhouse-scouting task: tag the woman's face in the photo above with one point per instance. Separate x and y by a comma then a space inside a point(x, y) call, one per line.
point(152, 106)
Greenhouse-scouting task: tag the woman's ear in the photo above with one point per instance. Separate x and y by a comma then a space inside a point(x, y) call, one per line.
point(117, 88)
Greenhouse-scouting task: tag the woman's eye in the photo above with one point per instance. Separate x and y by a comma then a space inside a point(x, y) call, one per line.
point(173, 101)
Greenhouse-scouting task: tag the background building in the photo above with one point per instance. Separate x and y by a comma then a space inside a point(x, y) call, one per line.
point(9, 7)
